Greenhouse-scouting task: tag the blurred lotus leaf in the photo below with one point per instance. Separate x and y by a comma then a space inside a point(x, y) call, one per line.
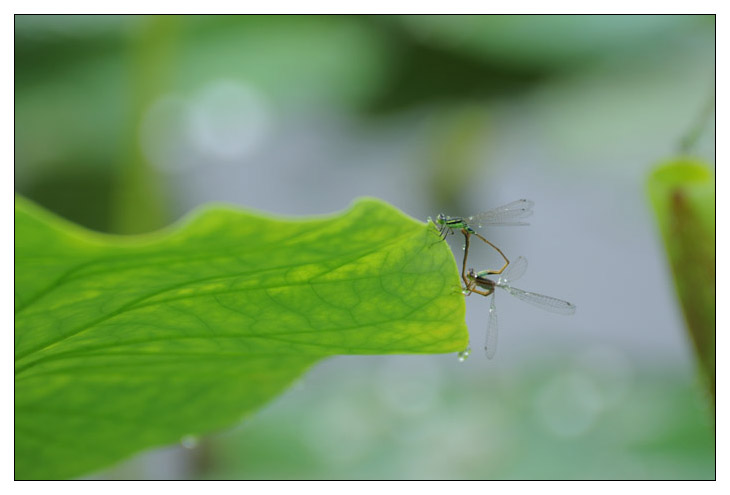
point(682, 192)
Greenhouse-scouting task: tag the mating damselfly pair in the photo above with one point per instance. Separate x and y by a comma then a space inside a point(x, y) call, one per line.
point(479, 281)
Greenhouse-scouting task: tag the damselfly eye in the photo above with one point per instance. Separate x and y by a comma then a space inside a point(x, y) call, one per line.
point(441, 217)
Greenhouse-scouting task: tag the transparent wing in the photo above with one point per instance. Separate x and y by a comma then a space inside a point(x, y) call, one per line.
point(514, 271)
point(490, 347)
point(545, 302)
point(508, 214)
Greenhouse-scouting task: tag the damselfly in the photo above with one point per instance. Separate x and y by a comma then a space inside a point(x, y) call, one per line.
point(508, 214)
point(479, 283)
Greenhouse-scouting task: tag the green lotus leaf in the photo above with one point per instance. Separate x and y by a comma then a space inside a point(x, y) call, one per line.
point(126, 343)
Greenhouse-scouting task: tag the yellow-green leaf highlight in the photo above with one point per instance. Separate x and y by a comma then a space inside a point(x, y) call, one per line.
point(124, 343)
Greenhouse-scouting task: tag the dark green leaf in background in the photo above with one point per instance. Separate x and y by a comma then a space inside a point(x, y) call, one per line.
point(124, 343)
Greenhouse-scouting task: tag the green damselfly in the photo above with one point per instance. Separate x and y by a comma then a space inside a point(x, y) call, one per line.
point(509, 214)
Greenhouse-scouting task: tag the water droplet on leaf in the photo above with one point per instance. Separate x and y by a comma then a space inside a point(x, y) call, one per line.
point(463, 355)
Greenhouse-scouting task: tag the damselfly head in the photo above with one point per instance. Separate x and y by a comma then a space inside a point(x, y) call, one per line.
point(441, 219)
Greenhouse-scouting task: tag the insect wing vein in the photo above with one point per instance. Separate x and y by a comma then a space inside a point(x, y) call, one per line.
point(545, 302)
point(504, 215)
point(514, 271)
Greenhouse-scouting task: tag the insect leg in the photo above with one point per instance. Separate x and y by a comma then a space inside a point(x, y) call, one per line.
point(483, 292)
point(506, 261)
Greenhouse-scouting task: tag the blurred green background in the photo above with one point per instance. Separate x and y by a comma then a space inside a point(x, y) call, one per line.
point(125, 123)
